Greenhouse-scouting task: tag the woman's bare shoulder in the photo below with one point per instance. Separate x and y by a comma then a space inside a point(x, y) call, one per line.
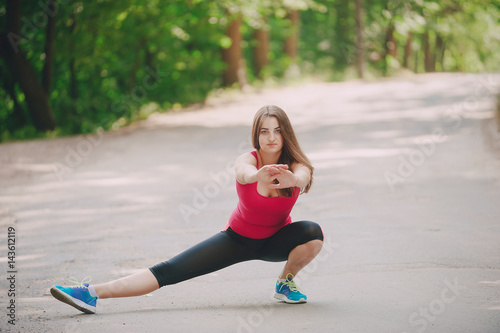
point(247, 158)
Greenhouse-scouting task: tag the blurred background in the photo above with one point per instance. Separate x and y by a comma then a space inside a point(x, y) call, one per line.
point(71, 67)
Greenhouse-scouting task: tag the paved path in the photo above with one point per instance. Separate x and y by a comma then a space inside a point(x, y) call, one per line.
point(407, 189)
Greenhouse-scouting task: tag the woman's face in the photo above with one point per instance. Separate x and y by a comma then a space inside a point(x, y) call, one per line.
point(270, 140)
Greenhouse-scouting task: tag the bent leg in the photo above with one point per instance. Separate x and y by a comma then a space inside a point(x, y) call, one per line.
point(300, 256)
point(298, 243)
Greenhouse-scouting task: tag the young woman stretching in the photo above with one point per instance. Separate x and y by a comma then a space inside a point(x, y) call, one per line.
point(268, 182)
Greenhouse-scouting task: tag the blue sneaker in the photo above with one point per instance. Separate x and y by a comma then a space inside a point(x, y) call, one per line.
point(78, 297)
point(289, 292)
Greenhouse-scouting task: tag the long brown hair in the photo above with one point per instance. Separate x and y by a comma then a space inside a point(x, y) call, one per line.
point(291, 152)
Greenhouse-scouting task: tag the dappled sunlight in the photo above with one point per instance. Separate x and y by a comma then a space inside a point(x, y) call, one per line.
point(140, 199)
point(418, 99)
point(409, 140)
point(117, 181)
point(327, 159)
point(385, 134)
point(491, 283)
point(23, 258)
point(35, 168)
point(354, 153)
point(331, 163)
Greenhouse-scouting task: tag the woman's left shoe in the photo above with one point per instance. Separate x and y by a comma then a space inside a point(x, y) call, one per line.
point(78, 297)
point(289, 292)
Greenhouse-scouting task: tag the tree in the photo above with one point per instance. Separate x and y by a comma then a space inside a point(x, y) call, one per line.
point(439, 50)
point(232, 55)
point(291, 42)
point(73, 84)
point(428, 58)
point(114, 58)
point(391, 45)
point(408, 50)
point(261, 49)
point(49, 47)
point(36, 95)
point(343, 38)
point(360, 44)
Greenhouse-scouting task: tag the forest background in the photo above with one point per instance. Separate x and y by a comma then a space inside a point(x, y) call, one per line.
point(70, 67)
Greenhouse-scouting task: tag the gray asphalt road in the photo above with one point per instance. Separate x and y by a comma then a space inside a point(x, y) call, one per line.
point(407, 190)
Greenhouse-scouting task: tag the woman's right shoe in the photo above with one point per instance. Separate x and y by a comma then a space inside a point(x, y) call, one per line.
point(289, 292)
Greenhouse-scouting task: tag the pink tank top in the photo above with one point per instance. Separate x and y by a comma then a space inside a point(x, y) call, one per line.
point(257, 216)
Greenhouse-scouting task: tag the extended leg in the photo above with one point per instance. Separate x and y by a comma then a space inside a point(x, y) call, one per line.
point(219, 251)
point(210, 255)
point(137, 284)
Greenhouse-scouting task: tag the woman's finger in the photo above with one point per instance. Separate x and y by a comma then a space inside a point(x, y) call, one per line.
point(273, 170)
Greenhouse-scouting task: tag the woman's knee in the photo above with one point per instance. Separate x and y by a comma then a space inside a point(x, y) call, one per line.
point(315, 246)
point(306, 251)
point(313, 231)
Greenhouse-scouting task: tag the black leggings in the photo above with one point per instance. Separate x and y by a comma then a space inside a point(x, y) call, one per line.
point(227, 248)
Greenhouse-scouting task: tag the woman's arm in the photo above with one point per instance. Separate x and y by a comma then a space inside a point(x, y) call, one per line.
point(247, 173)
point(298, 177)
point(303, 174)
point(246, 169)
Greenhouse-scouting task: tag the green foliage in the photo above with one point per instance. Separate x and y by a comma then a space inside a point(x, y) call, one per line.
point(469, 31)
point(117, 61)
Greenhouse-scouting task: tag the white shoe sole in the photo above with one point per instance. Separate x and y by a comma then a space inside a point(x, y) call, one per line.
point(283, 298)
point(76, 303)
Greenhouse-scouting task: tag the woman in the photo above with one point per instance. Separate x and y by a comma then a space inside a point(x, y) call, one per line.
point(268, 182)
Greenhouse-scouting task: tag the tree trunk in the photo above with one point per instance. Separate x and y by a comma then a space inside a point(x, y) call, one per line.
point(73, 83)
point(141, 45)
point(428, 61)
point(391, 46)
point(49, 49)
point(261, 50)
point(36, 98)
point(232, 56)
point(291, 42)
point(360, 44)
point(439, 52)
point(344, 51)
point(408, 51)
